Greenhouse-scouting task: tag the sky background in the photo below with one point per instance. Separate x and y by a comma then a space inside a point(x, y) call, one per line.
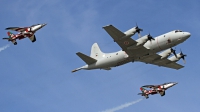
point(36, 77)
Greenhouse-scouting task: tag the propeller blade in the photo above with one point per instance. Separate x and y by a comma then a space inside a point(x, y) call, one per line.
point(139, 35)
point(138, 30)
point(183, 56)
point(150, 37)
point(184, 60)
point(174, 52)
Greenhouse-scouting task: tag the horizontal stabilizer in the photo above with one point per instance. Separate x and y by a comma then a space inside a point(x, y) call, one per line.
point(5, 38)
point(86, 58)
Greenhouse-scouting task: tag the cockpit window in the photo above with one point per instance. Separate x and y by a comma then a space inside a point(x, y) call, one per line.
point(178, 31)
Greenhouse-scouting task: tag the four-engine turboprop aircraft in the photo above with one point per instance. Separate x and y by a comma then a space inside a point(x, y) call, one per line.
point(143, 49)
point(155, 89)
point(23, 33)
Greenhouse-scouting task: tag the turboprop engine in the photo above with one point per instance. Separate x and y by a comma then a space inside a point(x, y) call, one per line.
point(132, 32)
point(144, 39)
point(167, 53)
point(179, 56)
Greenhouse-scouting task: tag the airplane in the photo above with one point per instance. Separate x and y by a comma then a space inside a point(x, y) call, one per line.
point(23, 33)
point(143, 49)
point(156, 89)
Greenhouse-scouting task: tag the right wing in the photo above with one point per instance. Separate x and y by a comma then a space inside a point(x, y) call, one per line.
point(117, 35)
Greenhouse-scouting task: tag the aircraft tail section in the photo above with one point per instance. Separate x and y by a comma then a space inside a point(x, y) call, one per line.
point(86, 59)
point(10, 34)
point(13, 41)
point(96, 52)
point(143, 94)
point(142, 89)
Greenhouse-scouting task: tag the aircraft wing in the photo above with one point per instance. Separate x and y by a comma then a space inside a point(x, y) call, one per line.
point(150, 86)
point(32, 38)
point(140, 53)
point(18, 29)
point(117, 35)
point(156, 60)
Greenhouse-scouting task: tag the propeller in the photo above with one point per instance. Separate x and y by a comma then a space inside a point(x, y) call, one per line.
point(138, 30)
point(174, 52)
point(150, 37)
point(183, 56)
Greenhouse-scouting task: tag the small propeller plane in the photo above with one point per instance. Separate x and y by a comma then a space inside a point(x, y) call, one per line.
point(156, 89)
point(23, 33)
point(143, 49)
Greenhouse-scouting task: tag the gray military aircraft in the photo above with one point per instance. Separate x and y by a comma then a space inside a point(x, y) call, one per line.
point(143, 49)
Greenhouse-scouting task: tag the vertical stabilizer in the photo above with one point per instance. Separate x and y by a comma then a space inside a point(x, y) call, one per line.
point(96, 52)
point(10, 34)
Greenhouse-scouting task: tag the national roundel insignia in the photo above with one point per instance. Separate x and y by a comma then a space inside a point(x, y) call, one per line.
point(126, 42)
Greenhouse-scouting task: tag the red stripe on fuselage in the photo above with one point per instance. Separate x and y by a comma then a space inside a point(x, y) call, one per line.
point(158, 44)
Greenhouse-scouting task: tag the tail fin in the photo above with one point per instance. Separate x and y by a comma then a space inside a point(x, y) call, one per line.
point(96, 52)
point(10, 34)
point(142, 89)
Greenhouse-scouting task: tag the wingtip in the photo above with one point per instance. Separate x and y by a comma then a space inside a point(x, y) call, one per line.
point(107, 26)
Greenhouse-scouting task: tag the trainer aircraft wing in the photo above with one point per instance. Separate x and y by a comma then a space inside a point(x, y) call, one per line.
point(150, 86)
point(18, 29)
point(130, 47)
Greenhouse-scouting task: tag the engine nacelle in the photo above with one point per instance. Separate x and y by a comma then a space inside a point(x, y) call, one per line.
point(166, 53)
point(174, 58)
point(130, 32)
point(142, 40)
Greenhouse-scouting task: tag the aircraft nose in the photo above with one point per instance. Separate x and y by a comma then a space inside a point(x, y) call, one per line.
point(44, 25)
point(175, 83)
point(187, 34)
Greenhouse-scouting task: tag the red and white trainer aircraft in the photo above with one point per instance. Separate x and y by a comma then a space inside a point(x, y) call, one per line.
point(156, 89)
point(23, 33)
point(144, 49)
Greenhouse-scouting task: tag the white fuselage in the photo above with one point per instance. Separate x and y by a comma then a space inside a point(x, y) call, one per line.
point(160, 43)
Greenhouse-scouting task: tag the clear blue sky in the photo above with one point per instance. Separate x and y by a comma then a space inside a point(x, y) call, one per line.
point(36, 77)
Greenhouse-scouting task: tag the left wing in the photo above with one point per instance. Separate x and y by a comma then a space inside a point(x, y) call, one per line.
point(18, 29)
point(32, 38)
